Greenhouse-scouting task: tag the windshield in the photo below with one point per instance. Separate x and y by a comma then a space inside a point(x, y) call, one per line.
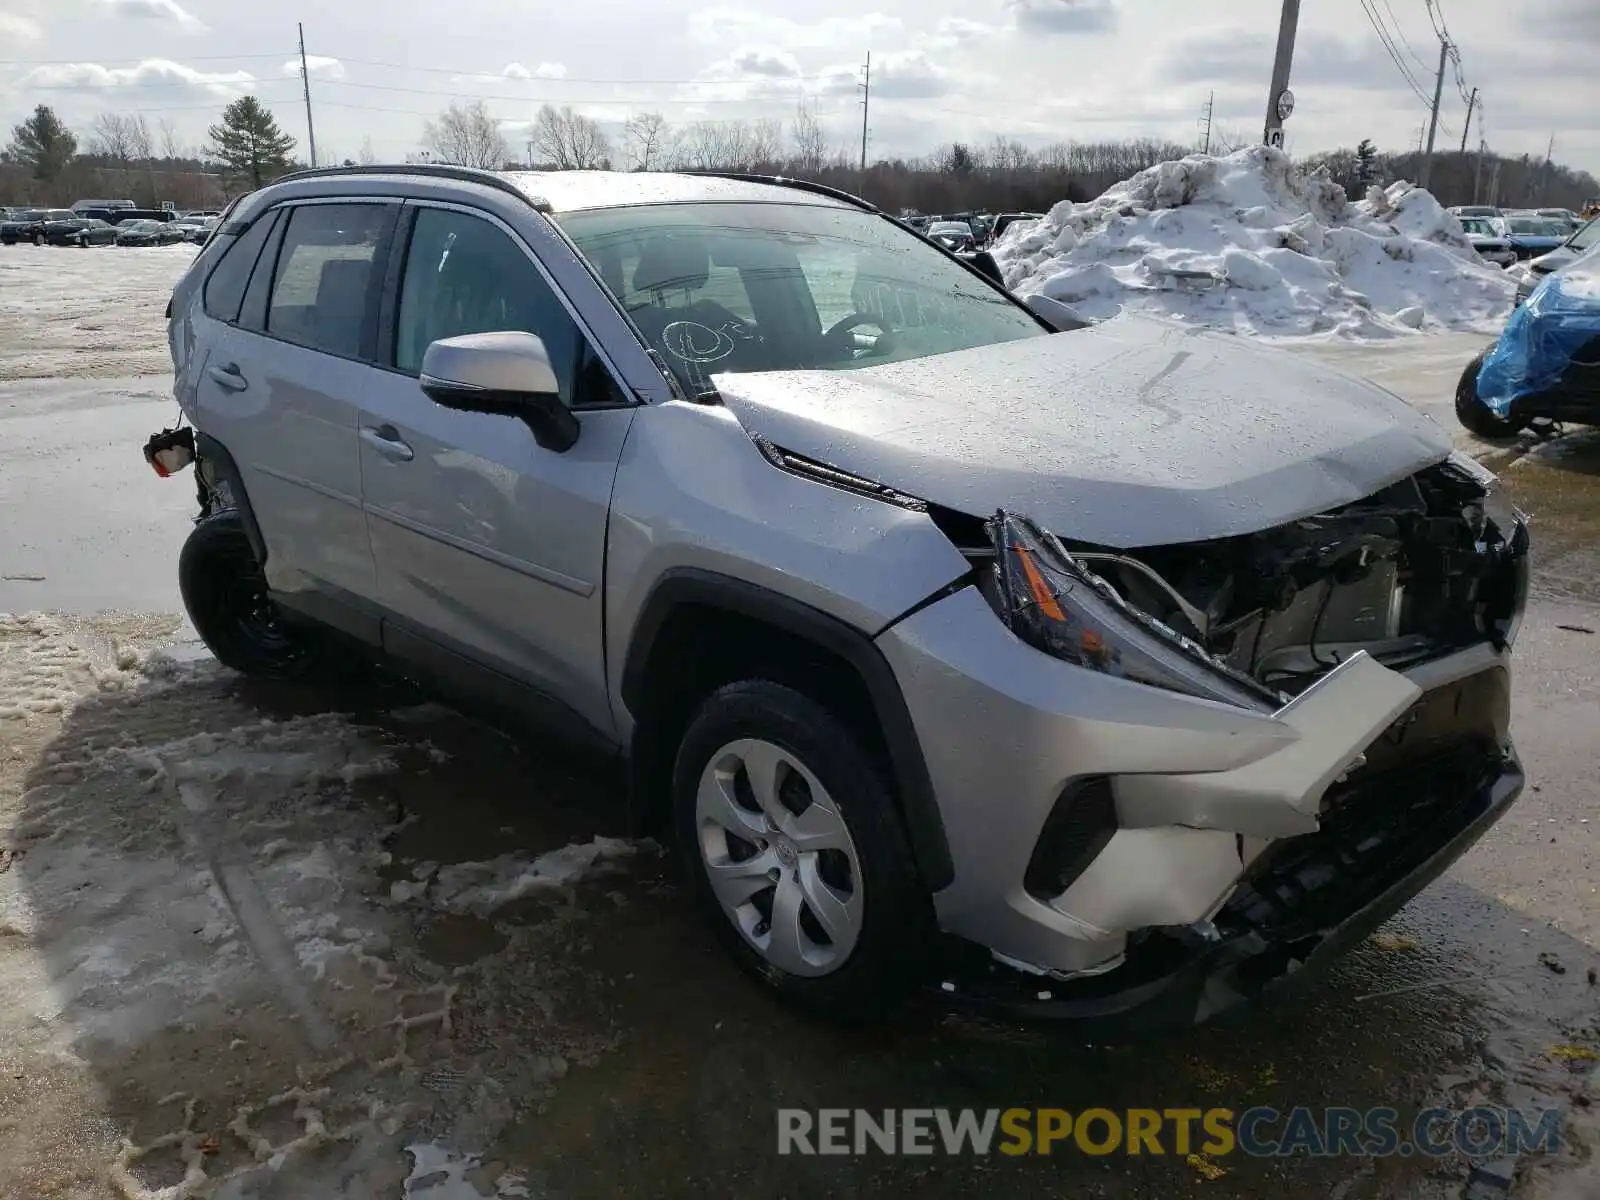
point(1586, 237)
point(1479, 227)
point(60, 214)
point(769, 287)
point(1533, 227)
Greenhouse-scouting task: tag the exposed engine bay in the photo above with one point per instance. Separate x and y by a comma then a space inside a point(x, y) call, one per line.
point(1430, 564)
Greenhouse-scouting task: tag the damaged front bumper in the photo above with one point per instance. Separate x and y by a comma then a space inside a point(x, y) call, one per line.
point(1135, 854)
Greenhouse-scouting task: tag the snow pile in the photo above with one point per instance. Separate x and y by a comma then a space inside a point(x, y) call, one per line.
point(1252, 244)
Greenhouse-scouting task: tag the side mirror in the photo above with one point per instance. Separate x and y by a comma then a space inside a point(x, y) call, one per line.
point(1061, 317)
point(986, 265)
point(503, 374)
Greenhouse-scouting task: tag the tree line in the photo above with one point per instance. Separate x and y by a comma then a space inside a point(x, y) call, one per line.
point(247, 149)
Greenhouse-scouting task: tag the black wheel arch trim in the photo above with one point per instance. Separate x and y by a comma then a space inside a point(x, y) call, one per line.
point(207, 447)
point(913, 785)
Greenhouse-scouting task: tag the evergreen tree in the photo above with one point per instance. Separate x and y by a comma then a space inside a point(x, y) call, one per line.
point(249, 144)
point(1366, 166)
point(43, 144)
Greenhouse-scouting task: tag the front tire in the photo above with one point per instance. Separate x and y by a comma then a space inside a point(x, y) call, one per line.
point(225, 593)
point(1473, 414)
point(38, 239)
point(797, 855)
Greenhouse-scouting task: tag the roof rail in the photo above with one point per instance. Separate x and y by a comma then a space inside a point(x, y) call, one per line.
point(433, 170)
point(788, 181)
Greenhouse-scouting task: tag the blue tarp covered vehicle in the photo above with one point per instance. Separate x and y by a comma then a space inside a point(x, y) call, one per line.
point(1546, 362)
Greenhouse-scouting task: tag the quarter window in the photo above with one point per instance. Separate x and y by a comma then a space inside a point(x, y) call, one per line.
point(226, 283)
point(319, 291)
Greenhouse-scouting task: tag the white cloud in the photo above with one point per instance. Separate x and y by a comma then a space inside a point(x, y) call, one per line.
point(318, 66)
point(167, 11)
point(149, 75)
point(14, 27)
point(1064, 16)
point(743, 25)
point(545, 70)
point(512, 72)
point(899, 75)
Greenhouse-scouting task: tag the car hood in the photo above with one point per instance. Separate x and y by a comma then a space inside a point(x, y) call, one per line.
point(1128, 433)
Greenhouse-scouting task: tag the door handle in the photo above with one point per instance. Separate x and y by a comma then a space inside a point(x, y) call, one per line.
point(228, 376)
point(386, 440)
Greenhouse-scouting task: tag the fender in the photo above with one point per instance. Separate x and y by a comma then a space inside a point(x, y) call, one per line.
point(914, 786)
point(210, 451)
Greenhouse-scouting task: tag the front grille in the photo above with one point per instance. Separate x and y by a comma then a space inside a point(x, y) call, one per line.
point(1375, 831)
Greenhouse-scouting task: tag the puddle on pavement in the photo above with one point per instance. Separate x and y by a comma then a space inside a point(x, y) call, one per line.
point(1558, 484)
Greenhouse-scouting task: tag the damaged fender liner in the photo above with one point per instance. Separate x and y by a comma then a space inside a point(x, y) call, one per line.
point(1175, 979)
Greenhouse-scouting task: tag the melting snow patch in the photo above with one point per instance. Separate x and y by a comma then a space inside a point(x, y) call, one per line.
point(1251, 243)
point(440, 1174)
point(482, 887)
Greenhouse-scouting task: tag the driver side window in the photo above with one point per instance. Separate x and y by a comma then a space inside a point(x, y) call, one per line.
point(465, 275)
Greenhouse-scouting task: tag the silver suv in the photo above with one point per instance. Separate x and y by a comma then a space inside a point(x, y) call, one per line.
point(1108, 672)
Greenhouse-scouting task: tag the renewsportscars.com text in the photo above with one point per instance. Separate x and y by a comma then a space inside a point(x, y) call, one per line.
point(1258, 1132)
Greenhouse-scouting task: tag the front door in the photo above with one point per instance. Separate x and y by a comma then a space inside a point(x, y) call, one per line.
point(483, 541)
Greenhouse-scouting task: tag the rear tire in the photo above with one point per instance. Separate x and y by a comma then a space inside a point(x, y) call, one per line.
point(225, 593)
point(1473, 414)
point(38, 239)
point(824, 844)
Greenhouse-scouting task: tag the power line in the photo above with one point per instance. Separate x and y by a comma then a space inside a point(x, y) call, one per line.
point(1383, 36)
point(74, 62)
point(1421, 62)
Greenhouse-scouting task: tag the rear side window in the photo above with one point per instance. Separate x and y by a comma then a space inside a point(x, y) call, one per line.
point(319, 291)
point(226, 284)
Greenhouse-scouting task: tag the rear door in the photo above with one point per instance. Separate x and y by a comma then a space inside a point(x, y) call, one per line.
point(281, 386)
point(486, 544)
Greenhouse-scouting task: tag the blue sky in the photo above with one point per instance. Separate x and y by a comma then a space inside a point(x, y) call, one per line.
point(1037, 70)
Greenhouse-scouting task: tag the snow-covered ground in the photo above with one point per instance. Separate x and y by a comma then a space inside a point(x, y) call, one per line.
point(1251, 244)
point(92, 313)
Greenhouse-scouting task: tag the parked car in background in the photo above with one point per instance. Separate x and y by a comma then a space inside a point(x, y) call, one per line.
point(1562, 216)
point(953, 235)
point(29, 225)
point(148, 233)
point(1575, 247)
point(197, 229)
point(203, 212)
point(1475, 210)
point(82, 207)
point(1488, 241)
point(1530, 236)
point(80, 231)
point(1006, 220)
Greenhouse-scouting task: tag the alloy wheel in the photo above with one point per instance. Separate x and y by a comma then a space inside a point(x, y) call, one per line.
point(779, 857)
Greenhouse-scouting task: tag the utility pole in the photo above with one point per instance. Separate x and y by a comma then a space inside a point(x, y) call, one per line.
point(1211, 104)
point(1288, 22)
point(1472, 102)
point(530, 154)
point(305, 80)
point(866, 99)
point(1477, 170)
point(1433, 118)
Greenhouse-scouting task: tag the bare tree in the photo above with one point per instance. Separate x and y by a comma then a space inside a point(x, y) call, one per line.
point(810, 142)
point(467, 136)
point(648, 140)
point(765, 144)
point(171, 143)
point(570, 140)
point(114, 137)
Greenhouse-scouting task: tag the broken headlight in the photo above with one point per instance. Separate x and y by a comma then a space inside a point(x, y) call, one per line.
point(1055, 604)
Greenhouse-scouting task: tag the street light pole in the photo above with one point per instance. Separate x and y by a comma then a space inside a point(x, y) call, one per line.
point(1426, 171)
point(1287, 24)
